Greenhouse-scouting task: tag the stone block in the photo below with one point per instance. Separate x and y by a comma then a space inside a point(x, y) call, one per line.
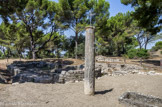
point(133, 99)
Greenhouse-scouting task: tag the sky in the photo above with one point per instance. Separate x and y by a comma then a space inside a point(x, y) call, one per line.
point(115, 7)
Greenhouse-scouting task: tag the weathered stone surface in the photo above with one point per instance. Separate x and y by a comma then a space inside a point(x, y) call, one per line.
point(106, 59)
point(119, 69)
point(133, 99)
point(39, 71)
point(2, 79)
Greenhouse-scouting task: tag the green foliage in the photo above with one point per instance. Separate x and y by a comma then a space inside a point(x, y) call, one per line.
point(8, 7)
point(138, 53)
point(132, 53)
point(117, 36)
point(81, 51)
point(69, 46)
point(36, 26)
point(148, 13)
point(1, 54)
point(157, 46)
point(142, 53)
point(125, 56)
point(73, 15)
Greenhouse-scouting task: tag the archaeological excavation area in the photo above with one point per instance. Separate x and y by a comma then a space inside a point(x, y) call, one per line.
point(60, 83)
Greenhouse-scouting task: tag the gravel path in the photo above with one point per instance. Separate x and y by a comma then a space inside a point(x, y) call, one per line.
point(108, 90)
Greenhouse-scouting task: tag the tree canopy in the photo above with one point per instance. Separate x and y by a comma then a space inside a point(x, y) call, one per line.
point(148, 13)
point(36, 27)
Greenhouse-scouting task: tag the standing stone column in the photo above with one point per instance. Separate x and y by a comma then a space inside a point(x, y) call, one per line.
point(89, 74)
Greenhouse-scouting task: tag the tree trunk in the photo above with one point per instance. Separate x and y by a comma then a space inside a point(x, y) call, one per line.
point(57, 52)
point(146, 42)
point(145, 45)
point(123, 49)
point(33, 54)
point(32, 44)
point(4, 52)
point(7, 54)
point(119, 51)
point(33, 50)
point(76, 45)
point(19, 56)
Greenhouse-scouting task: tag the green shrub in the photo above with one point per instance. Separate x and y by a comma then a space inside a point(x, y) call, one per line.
point(1, 54)
point(142, 53)
point(138, 53)
point(132, 53)
point(157, 46)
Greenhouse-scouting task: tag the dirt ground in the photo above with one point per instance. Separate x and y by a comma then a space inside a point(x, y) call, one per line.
point(108, 90)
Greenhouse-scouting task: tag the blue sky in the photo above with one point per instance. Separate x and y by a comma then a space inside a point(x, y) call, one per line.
point(115, 7)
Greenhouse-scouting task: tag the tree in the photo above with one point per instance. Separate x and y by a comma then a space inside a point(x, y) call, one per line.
point(144, 38)
point(34, 17)
point(1, 54)
point(148, 13)
point(55, 45)
point(101, 10)
point(73, 15)
point(7, 38)
point(22, 40)
point(157, 46)
point(117, 36)
point(69, 46)
point(8, 7)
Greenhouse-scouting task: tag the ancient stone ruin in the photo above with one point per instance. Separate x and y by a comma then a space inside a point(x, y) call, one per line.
point(133, 99)
point(101, 58)
point(47, 72)
point(62, 72)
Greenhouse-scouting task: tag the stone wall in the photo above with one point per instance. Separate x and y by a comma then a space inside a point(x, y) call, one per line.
point(133, 99)
point(119, 69)
point(46, 72)
point(101, 58)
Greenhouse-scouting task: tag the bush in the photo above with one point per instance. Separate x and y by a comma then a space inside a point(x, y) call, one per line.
point(138, 53)
point(132, 53)
point(1, 54)
point(142, 53)
point(157, 46)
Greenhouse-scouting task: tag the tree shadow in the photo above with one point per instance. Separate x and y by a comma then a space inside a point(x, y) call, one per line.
point(60, 61)
point(104, 92)
point(153, 62)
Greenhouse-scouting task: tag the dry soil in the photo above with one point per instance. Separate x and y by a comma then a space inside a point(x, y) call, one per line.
point(108, 90)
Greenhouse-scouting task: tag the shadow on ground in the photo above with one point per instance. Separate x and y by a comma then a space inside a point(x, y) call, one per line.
point(103, 92)
point(153, 62)
point(67, 62)
point(4, 76)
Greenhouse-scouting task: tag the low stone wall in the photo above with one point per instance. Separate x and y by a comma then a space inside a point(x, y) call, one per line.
point(45, 72)
point(133, 99)
point(107, 59)
point(119, 69)
point(112, 69)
